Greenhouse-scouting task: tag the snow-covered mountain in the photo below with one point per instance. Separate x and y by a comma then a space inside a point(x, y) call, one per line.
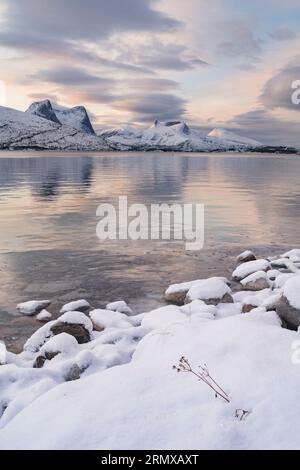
point(24, 130)
point(44, 110)
point(233, 138)
point(45, 126)
point(76, 117)
point(176, 136)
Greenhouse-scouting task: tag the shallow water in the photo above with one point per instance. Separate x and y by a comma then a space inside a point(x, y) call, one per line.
point(48, 243)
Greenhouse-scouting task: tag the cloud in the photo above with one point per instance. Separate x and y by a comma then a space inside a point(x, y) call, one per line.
point(239, 40)
point(156, 54)
point(283, 34)
point(147, 108)
point(261, 125)
point(151, 84)
point(69, 76)
point(278, 90)
point(82, 20)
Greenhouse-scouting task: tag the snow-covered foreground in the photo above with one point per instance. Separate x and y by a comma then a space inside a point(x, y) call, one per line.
point(129, 396)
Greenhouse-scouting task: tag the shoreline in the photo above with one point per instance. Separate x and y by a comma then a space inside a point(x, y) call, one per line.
point(140, 280)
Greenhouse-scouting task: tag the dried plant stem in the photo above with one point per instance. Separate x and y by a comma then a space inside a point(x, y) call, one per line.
point(204, 375)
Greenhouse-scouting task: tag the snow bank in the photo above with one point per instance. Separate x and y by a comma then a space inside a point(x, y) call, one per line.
point(164, 410)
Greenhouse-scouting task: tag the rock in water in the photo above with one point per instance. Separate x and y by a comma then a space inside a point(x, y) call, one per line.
point(76, 306)
point(119, 306)
point(246, 256)
point(288, 307)
point(33, 307)
point(44, 316)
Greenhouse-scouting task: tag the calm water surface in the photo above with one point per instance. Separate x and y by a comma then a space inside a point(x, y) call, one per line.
point(48, 243)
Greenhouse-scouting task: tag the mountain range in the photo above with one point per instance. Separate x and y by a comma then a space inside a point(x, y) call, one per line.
point(48, 126)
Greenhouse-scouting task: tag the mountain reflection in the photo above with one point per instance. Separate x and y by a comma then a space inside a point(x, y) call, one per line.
point(51, 200)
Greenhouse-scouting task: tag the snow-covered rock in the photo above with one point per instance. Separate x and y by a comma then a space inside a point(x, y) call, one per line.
point(44, 316)
point(81, 305)
point(102, 319)
point(176, 293)
point(247, 255)
point(288, 307)
point(256, 281)
point(211, 291)
point(33, 307)
point(119, 306)
point(250, 267)
point(76, 324)
point(62, 343)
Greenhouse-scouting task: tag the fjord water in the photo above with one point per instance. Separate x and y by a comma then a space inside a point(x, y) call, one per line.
point(48, 202)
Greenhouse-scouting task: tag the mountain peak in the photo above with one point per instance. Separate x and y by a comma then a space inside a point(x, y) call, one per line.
point(76, 117)
point(44, 110)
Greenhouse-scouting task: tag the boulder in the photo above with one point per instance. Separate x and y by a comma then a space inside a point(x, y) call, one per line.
point(288, 306)
point(44, 316)
point(33, 307)
point(256, 281)
point(176, 293)
point(119, 306)
point(212, 291)
point(246, 256)
point(250, 267)
point(80, 333)
point(81, 305)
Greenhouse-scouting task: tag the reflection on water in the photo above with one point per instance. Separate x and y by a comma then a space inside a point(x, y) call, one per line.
point(50, 201)
point(48, 243)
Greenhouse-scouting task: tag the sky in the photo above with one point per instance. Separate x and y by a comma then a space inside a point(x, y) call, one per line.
point(211, 63)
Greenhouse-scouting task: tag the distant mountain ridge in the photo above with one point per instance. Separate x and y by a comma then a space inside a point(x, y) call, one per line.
point(48, 126)
point(177, 136)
